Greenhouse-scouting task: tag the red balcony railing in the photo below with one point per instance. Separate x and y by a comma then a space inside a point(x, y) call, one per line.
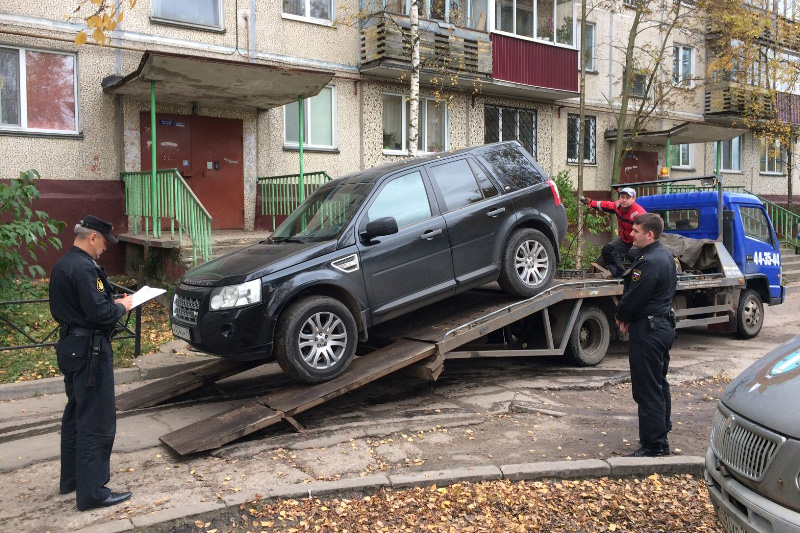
point(533, 63)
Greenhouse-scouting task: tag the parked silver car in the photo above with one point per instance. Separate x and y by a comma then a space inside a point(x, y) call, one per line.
point(752, 467)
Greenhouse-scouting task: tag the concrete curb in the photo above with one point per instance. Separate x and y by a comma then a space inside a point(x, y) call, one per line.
point(589, 468)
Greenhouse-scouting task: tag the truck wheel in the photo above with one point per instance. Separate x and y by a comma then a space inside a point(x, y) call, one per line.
point(588, 342)
point(749, 315)
point(315, 339)
point(529, 263)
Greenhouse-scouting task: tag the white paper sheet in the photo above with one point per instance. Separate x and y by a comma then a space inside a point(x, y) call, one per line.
point(144, 294)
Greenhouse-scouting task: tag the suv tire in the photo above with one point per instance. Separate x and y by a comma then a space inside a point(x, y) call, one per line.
point(528, 264)
point(316, 339)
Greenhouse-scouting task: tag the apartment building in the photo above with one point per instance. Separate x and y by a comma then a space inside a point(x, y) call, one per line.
point(228, 80)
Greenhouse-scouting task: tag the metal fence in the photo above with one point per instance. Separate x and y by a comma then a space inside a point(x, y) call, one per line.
point(123, 330)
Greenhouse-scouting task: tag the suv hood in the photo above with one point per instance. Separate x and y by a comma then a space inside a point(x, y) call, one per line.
point(768, 391)
point(254, 262)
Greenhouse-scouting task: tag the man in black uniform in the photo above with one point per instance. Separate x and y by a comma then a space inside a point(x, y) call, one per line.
point(82, 304)
point(644, 311)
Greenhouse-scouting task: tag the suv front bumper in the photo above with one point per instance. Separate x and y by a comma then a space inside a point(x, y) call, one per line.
point(740, 510)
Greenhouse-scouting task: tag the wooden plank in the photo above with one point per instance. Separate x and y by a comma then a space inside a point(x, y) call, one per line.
point(363, 370)
point(215, 431)
point(163, 389)
point(428, 369)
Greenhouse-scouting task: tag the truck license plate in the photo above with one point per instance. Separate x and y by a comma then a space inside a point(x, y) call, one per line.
point(181, 332)
point(729, 524)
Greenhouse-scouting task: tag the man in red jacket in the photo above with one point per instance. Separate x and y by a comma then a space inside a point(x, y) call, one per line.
point(626, 210)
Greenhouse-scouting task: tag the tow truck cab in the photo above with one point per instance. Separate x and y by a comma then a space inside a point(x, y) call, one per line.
point(747, 233)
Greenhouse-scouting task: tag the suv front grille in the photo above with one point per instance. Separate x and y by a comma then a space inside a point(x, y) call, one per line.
point(186, 309)
point(743, 446)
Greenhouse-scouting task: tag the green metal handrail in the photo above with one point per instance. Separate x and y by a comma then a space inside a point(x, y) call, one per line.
point(783, 220)
point(174, 200)
point(280, 195)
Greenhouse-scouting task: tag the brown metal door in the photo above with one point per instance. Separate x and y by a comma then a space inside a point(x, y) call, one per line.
point(639, 166)
point(208, 152)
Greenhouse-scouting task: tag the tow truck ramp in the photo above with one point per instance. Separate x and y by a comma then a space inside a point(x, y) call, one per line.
point(478, 323)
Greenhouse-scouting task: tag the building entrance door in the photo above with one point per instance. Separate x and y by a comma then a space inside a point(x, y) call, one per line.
point(208, 152)
point(639, 166)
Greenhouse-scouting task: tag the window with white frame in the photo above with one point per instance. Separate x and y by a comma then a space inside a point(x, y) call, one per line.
point(590, 49)
point(682, 156)
point(192, 12)
point(638, 84)
point(546, 20)
point(432, 121)
point(510, 124)
point(310, 9)
point(683, 65)
point(38, 91)
point(589, 140)
point(731, 154)
point(319, 121)
point(772, 156)
point(465, 13)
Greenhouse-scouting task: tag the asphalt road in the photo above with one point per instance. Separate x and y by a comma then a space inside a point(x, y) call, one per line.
point(479, 413)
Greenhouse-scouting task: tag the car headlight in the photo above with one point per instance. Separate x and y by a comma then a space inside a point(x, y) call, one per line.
point(232, 296)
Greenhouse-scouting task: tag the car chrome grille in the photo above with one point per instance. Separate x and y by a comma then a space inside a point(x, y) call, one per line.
point(743, 446)
point(186, 309)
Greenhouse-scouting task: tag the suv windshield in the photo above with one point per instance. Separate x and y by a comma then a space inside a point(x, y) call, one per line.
point(324, 214)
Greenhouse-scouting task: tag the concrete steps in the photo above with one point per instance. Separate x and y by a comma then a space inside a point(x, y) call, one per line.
point(790, 265)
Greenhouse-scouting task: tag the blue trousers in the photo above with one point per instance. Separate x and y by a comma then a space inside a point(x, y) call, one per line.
point(89, 423)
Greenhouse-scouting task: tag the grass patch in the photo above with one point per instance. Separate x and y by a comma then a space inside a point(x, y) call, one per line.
point(34, 319)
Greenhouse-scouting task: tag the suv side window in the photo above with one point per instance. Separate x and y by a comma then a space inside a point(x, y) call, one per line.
point(488, 187)
point(756, 224)
point(511, 167)
point(403, 198)
point(456, 184)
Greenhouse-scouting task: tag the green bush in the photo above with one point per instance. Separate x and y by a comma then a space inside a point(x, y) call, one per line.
point(27, 230)
point(594, 222)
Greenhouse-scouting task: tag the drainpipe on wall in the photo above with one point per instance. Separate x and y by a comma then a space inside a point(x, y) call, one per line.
point(153, 188)
point(300, 138)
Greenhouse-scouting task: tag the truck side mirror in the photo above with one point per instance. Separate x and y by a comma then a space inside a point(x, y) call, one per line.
point(379, 228)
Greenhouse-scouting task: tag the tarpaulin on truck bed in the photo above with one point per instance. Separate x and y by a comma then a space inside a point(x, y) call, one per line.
point(694, 254)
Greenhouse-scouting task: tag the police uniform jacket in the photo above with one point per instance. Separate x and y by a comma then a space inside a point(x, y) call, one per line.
point(649, 284)
point(80, 295)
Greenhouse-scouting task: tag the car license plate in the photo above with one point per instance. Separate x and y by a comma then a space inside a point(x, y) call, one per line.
point(729, 524)
point(181, 332)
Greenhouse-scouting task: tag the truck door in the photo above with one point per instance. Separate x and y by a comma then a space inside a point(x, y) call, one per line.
point(413, 267)
point(761, 248)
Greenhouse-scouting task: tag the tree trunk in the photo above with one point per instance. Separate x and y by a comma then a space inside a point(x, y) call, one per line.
point(620, 143)
point(413, 112)
point(581, 138)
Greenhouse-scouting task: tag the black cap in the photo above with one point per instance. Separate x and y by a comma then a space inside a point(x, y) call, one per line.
point(100, 226)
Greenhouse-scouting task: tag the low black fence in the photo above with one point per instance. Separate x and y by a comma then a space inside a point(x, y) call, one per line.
point(124, 329)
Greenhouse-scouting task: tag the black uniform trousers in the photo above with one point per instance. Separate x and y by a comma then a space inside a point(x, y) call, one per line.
point(89, 423)
point(614, 251)
point(648, 351)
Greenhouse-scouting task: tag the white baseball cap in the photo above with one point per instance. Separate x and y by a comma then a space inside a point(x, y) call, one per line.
point(627, 190)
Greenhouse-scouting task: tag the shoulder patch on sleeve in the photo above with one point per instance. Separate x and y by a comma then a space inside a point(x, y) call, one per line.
point(636, 275)
point(100, 286)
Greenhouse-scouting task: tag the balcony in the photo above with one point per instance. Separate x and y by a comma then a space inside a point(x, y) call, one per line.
point(444, 49)
point(526, 65)
point(727, 101)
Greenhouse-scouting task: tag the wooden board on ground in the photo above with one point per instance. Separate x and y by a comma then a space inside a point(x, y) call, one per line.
point(163, 389)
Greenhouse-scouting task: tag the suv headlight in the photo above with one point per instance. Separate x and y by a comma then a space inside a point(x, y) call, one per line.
point(232, 296)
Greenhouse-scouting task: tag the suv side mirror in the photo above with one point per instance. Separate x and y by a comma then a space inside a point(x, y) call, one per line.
point(379, 228)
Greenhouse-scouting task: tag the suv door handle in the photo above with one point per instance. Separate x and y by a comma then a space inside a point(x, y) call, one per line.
point(496, 212)
point(430, 234)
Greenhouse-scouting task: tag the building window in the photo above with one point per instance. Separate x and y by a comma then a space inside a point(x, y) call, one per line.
point(194, 12)
point(683, 65)
point(510, 124)
point(638, 84)
point(546, 20)
point(589, 141)
point(310, 9)
point(319, 121)
point(432, 131)
point(39, 91)
point(682, 156)
point(731, 155)
point(590, 49)
point(464, 13)
point(772, 156)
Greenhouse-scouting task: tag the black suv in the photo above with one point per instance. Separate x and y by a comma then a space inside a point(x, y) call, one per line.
point(370, 246)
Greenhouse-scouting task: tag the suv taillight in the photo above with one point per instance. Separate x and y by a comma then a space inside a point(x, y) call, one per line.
point(556, 196)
